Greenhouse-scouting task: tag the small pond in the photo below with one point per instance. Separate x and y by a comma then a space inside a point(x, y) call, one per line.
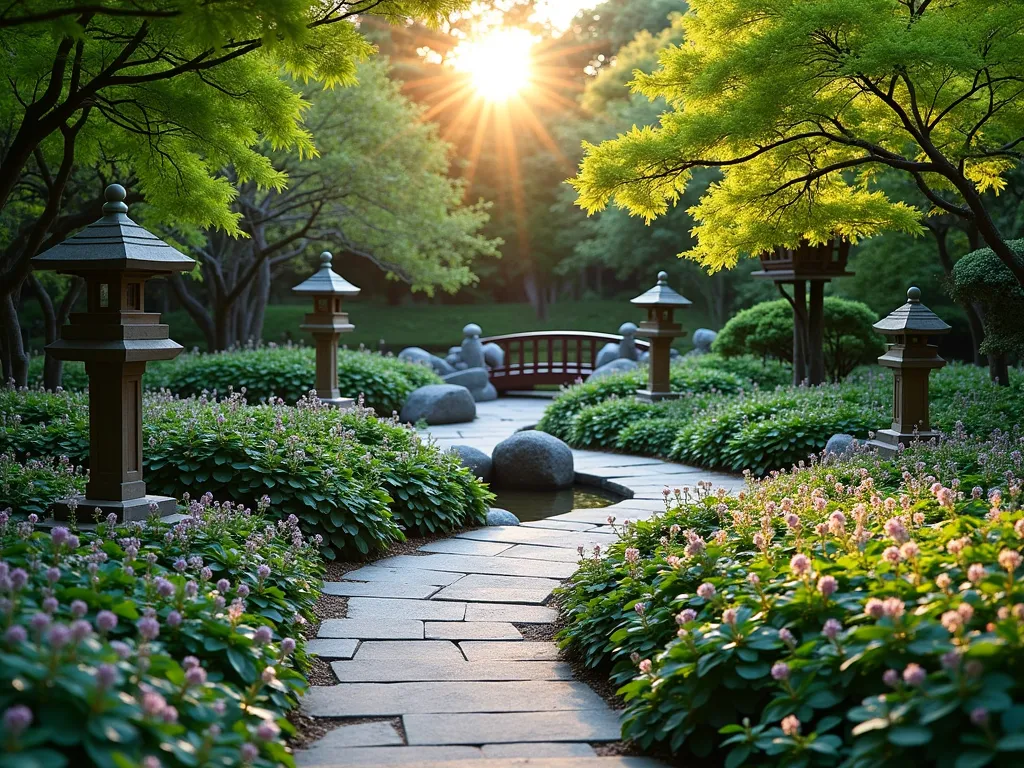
point(537, 505)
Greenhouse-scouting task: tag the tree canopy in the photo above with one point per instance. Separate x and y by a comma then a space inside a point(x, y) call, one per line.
point(802, 104)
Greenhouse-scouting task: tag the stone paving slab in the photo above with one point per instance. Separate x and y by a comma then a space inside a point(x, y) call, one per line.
point(372, 629)
point(471, 630)
point(505, 566)
point(379, 589)
point(558, 525)
point(527, 650)
point(379, 734)
point(539, 749)
point(385, 608)
point(532, 552)
point(465, 547)
point(414, 671)
point(332, 649)
point(405, 650)
point(598, 724)
point(418, 756)
point(481, 588)
point(590, 459)
point(403, 575)
point(538, 536)
point(645, 471)
point(515, 613)
point(380, 699)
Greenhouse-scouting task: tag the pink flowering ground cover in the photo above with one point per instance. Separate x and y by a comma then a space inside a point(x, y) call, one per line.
point(153, 645)
point(848, 614)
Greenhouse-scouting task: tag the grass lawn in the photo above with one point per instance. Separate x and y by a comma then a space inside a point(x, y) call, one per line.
point(439, 326)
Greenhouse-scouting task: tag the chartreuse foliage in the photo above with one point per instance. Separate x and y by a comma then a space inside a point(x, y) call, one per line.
point(151, 644)
point(821, 618)
point(766, 330)
point(802, 104)
point(358, 481)
point(288, 373)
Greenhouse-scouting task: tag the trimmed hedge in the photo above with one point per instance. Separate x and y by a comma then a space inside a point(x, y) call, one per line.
point(359, 481)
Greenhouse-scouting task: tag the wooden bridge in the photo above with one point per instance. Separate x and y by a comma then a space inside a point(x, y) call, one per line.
point(546, 358)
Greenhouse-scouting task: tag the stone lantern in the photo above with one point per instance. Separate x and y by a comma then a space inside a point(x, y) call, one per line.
point(912, 359)
point(817, 265)
point(660, 327)
point(115, 337)
point(327, 322)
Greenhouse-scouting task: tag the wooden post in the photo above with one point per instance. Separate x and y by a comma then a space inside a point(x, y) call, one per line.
point(815, 334)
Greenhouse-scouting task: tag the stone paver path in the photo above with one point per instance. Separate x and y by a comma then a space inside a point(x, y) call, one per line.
point(431, 650)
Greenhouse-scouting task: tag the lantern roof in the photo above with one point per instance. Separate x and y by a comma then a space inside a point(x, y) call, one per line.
point(661, 295)
point(325, 281)
point(113, 243)
point(913, 317)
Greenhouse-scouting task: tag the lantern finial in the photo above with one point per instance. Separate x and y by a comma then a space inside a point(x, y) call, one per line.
point(326, 258)
point(114, 194)
point(663, 278)
point(914, 295)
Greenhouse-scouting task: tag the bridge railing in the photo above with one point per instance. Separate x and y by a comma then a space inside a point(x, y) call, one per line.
point(547, 358)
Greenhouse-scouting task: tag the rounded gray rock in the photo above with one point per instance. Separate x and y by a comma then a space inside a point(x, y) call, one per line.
point(840, 445)
point(703, 339)
point(533, 460)
point(486, 394)
point(472, 348)
point(627, 347)
point(478, 462)
point(615, 366)
point(470, 378)
point(494, 355)
point(609, 352)
point(497, 516)
point(439, 404)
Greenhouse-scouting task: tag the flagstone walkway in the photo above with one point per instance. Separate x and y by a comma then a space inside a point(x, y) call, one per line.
point(434, 672)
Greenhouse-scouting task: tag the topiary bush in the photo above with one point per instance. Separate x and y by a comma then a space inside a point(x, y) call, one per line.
point(358, 481)
point(121, 647)
point(287, 372)
point(766, 330)
point(982, 278)
point(823, 617)
point(763, 372)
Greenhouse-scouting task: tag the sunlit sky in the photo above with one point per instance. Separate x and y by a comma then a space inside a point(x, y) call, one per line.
point(560, 12)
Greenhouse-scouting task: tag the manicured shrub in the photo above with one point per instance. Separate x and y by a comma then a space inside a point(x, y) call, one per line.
point(287, 372)
point(823, 617)
point(765, 372)
point(769, 430)
point(685, 377)
point(766, 330)
point(359, 481)
point(121, 644)
point(649, 437)
point(982, 278)
point(598, 426)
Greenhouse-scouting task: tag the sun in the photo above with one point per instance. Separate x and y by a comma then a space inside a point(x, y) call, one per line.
point(498, 62)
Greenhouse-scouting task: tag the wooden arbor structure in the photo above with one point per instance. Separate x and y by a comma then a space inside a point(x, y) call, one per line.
point(817, 265)
point(115, 337)
point(327, 322)
point(912, 360)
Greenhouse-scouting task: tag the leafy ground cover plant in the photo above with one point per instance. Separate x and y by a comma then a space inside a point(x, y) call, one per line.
point(153, 645)
point(33, 486)
point(359, 481)
point(287, 372)
point(828, 616)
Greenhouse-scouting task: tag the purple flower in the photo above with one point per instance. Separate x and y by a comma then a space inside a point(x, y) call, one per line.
point(223, 585)
point(39, 621)
point(123, 650)
point(832, 629)
point(79, 608)
point(52, 575)
point(249, 752)
point(190, 662)
point(195, 676)
point(164, 588)
point(58, 636)
point(787, 637)
point(287, 646)
point(169, 715)
point(191, 589)
point(148, 627)
point(19, 578)
point(16, 635)
point(173, 619)
point(17, 719)
point(800, 564)
point(891, 678)
point(73, 542)
point(979, 716)
point(263, 571)
point(780, 671)
point(59, 535)
point(267, 730)
point(180, 565)
point(106, 676)
point(106, 621)
point(243, 590)
point(153, 704)
point(50, 605)
point(706, 590)
point(262, 636)
point(914, 675)
point(80, 630)
point(206, 574)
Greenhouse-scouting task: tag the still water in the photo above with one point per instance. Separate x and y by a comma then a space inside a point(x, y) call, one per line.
point(537, 505)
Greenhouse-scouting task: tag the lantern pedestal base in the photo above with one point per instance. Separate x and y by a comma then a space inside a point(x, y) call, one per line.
point(130, 510)
point(887, 441)
point(647, 396)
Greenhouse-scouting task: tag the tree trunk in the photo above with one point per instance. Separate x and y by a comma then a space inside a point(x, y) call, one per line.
point(536, 295)
point(195, 310)
point(14, 344)
point(258, 307)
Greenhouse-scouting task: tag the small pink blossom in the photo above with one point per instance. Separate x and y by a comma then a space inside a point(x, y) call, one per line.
point(791, 726)
point(706, 590)
point(827, 585)
point(800, 564)
point(780, 671)
point(645, 666)
point(914, 675)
